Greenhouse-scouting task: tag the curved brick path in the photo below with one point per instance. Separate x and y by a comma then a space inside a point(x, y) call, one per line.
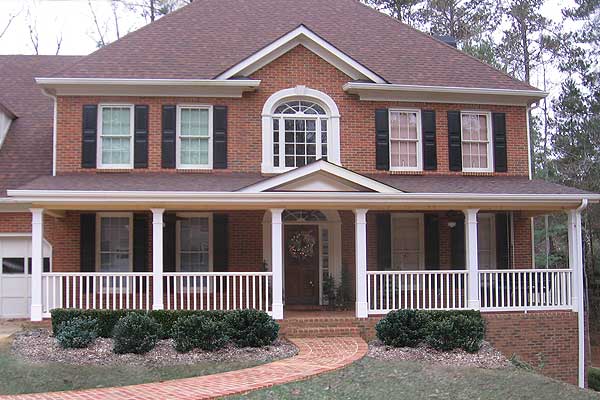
point(316, 356)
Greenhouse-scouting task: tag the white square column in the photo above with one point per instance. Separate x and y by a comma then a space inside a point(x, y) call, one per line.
point(471, 257)
point(577, 296)
point(361, 262)
point(157, 258)
point(37, 261)
point(277, 261)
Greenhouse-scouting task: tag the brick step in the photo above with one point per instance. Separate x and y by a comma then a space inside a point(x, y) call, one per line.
point(317, 332)
point(319, 324)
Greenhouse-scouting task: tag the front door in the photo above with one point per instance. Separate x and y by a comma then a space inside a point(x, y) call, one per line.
point(301, 264)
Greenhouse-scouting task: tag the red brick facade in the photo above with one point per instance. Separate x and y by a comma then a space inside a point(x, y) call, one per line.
point(297, 67)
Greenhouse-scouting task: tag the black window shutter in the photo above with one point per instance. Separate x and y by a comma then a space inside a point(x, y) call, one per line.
point(220, 137)
point(169, 123)
point(384, 241)
point(169, 240)
point(89, 132)
point(140, 243)
point(502, 241)
point(432, 242)
point(429, 144)
point(140, 137)
point(454, 141)
point(499, 132)
point(382, 140)
point(457, 245)
point(87, 242)
point(220, 242)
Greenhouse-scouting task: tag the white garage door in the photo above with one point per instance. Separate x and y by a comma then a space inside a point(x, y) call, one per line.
point(15, 275)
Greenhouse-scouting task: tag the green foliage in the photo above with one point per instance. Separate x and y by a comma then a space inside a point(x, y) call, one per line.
point(195, 331)
point(135, 333)
point(403, 328)
point(168, 318)
point(105, 319)
point(594, 379)
point(77, 333)
point(251, 328)
point(442, 330)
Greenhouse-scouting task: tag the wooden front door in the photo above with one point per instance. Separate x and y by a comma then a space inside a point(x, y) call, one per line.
point(301, 249)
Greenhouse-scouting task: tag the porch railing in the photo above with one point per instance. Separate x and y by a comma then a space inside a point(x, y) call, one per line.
point(525, 289)
point(181, 291)
point(218, 291)
point(427, 290)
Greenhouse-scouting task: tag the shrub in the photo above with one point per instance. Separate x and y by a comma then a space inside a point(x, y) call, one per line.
point(197, 331)
point(168, 318)
point(105, 319)
point(403, 328)
point(594, 379)
point(135, 333)
point(77, 333)
point(456, 330)
point(251, 328)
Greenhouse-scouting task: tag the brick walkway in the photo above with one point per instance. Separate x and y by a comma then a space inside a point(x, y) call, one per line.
point(316, 356)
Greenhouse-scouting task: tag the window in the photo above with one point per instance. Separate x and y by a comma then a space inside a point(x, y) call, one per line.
point(11, 266)
point(194, 243)
point(115, 136)
point(194, 137)
point(299, 134)
point(476, 144)
point(407, 242)
point(486, 241)
point(405, 140)
point(114, 238)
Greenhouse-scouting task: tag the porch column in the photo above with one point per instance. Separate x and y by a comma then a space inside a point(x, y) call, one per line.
point(361, 262)
point(277, 261)
point(157, 258)
point(471, 257)
point(37, 254)
point(577, 297)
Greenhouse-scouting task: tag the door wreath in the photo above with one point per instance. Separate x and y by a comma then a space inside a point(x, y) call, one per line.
point(302, 245)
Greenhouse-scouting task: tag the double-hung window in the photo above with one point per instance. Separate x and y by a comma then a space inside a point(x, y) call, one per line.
point(476, 128)
point(115, 136)
point(194, 137)
point(486, 241)
point(405, 140)
point(408, 242)
point(194, 241)
point(114, 242)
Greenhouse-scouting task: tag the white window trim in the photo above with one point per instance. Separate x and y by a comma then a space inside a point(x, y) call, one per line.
point(209, 165)
point(490, 153)
point(421, 219)
point(178, 238)
point(99, 217)
point(492, 218)
point(99, 163)
point(47, 252)
point(419, 166)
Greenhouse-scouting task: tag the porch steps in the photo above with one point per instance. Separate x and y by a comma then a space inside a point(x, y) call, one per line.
point(316, 327)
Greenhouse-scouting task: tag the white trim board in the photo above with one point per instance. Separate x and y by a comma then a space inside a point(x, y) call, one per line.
point(307, 38)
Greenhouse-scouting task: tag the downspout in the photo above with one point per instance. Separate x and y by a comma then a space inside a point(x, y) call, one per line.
point(580, 309)
point(54, 129)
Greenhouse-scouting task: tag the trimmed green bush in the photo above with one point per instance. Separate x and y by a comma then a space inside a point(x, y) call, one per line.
point(594, 378)
point(442, 330)
point(168, 318)
point(77, 333)
point(403, 328)
point(251, 328)
point(197, 331)
point(105, 319)
point(135, 333)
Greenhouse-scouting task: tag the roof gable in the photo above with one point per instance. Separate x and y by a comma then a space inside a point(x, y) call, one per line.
point(207, 38)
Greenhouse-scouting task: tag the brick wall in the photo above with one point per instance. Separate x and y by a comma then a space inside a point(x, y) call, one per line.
point(297, 67)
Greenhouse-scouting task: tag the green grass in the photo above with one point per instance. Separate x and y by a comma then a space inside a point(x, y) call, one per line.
point(17, 377)
point(374, 379)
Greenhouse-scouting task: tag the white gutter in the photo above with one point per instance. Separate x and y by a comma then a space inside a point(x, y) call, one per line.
point(54, 129)
point(443, 89)
point(151, 82)
point(581, 312)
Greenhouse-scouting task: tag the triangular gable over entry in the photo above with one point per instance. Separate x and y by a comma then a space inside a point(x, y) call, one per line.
point(320, 176)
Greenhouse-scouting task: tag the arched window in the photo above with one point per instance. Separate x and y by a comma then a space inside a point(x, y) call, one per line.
point(303, 216)
point(300, 126)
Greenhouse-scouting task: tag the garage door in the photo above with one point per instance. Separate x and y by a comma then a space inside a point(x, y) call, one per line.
point(15, 275)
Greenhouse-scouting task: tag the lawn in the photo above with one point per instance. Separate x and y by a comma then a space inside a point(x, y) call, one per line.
point(18, 377)
point(374, 379)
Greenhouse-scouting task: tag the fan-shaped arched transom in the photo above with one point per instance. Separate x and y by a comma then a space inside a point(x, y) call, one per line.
point(303, 216)
point(300, 107)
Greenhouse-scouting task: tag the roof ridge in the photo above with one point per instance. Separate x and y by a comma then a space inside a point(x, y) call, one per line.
point(429, 36)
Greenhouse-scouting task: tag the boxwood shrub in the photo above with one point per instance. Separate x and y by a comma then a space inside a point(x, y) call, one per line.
point(105, 319)
point(594, 378)
point(199, 331)
point(442, 330)
point(135, 333)
point(77, 333)
point(251, 328)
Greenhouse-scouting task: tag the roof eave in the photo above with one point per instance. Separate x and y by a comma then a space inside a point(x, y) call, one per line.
point(147, 87)
point(443, 94)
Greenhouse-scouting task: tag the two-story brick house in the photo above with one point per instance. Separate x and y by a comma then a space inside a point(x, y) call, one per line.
point(237, 154)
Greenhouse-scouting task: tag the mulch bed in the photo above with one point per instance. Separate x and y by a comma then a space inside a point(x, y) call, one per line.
point(38, 346)
point(487, 357)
